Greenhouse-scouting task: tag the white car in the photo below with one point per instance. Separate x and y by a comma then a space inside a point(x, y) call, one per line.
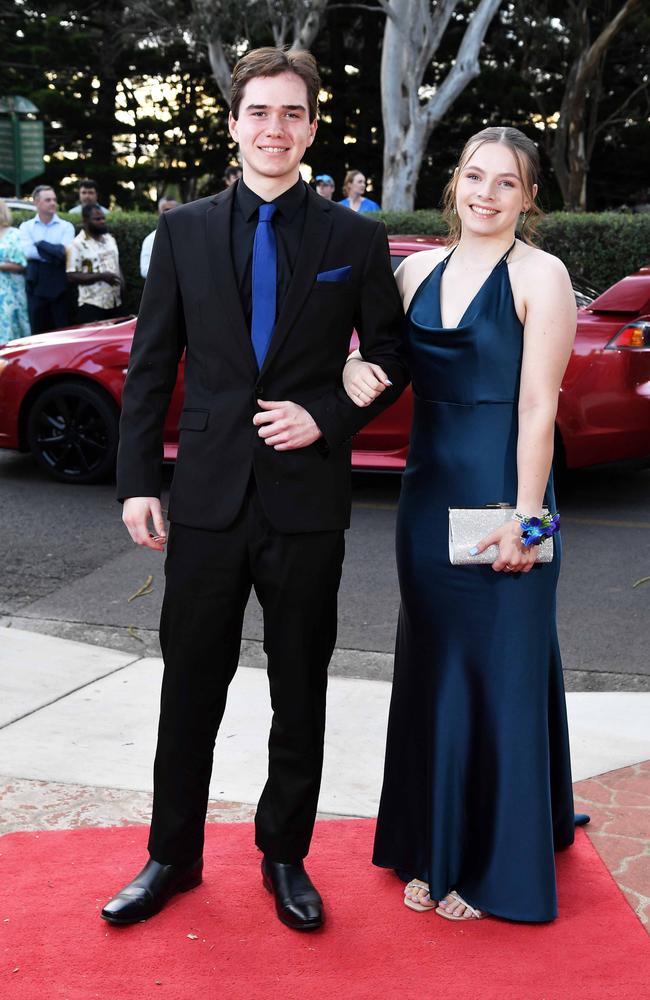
point(20, 205)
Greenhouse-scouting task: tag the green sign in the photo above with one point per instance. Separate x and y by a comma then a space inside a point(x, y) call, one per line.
point(22, 145)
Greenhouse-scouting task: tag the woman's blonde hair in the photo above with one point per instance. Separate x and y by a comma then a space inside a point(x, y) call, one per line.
point(525, 153)
point(5, 213)
point(349, 177)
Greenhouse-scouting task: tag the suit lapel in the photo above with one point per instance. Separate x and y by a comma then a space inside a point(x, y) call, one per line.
point(315, 237)
point(218, 234)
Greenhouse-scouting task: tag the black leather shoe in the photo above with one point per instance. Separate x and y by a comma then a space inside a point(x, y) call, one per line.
point(297, 902)
point(150, 890)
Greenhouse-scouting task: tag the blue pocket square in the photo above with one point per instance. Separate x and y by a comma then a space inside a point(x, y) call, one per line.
point(338, 274)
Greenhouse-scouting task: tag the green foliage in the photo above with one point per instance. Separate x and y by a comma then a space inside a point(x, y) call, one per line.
point(129, 229)
point(601, 246)
point(421, 223)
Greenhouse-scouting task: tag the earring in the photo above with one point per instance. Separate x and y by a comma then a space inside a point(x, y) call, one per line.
point(523, 219)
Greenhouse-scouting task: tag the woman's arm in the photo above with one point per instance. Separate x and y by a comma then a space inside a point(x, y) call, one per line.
point(363, 381)
point(7, 265)
point(549, 331)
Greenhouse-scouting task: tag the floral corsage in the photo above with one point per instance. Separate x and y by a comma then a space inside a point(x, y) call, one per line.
point(535, 530)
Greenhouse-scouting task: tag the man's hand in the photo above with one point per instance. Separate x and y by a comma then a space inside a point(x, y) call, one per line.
point(136, 514)
point(285, 426)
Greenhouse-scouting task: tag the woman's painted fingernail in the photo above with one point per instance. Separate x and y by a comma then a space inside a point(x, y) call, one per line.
point(388, 381)
point(473, 551)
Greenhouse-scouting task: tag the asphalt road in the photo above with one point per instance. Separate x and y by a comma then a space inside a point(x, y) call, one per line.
point(70, 569)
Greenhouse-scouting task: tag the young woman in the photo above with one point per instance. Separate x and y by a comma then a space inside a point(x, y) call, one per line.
point(354, 189)
point(477, 786)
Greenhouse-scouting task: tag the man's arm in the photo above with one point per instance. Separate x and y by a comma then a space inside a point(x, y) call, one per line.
point(158, 344)
point(379, 320)
point(145, 253)
point(29, 247)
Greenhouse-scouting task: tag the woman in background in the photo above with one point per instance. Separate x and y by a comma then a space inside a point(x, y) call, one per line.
point(14, 318)
point(354, 189)
point(477, 788)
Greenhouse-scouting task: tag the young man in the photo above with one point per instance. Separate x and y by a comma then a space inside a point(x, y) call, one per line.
point(44, 239)
point(88, 195)
point(261, 286)
point(93, 265)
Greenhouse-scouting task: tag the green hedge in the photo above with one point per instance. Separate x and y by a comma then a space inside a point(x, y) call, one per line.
point(129, 229)
point(601, 247)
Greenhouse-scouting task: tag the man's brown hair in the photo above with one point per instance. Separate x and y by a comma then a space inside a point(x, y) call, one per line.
point(270, 61)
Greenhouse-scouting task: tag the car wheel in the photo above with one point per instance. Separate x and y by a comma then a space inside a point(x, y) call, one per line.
point(72, 432)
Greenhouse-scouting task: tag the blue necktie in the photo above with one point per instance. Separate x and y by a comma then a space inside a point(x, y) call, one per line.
point(265, 269)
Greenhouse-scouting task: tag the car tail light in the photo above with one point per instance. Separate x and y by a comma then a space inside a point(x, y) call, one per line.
point(633, 337)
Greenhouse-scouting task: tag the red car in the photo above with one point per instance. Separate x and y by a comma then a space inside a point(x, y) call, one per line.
point(60, 392)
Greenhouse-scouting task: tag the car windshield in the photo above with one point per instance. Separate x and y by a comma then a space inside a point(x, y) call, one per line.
point(396, 260)
point(584, 292)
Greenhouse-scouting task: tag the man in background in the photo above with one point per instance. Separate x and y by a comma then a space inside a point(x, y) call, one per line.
point(231, 175)
point(93, 265)
point(88, 195)
point(44, 239)
point(325, 186)
point(164, 205)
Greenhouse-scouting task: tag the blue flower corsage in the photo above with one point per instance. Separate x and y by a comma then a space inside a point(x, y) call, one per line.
point(534, 530)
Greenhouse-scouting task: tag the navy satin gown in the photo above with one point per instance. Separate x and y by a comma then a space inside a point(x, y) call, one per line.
point(477, 786)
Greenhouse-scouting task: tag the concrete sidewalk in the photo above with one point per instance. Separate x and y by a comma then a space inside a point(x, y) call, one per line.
point(78, 728)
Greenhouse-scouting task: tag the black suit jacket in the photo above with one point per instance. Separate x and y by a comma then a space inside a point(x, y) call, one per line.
point(191, 302)
point(47, 278)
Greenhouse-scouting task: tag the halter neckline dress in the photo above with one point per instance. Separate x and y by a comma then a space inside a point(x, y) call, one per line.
point(477, 789)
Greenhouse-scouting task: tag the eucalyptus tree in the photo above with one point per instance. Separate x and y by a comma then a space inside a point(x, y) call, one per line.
point(566, 45)
point(414, 96)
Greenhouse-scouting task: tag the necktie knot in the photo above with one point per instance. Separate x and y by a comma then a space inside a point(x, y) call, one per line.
point(267, 211)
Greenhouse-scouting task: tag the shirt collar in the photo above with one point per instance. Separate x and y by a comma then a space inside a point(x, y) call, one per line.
point(288, 204)
point(54, 219)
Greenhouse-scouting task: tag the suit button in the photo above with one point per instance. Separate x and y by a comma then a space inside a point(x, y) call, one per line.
point(259, 390)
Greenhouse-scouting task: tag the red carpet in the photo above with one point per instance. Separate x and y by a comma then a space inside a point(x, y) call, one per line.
point(223, 942)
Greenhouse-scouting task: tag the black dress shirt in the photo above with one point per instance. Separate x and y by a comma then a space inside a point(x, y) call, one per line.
point(288, 222)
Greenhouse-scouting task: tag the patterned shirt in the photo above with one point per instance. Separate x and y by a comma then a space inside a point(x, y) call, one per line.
point(92, 256)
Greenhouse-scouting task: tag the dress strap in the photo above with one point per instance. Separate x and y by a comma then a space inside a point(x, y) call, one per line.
point(445, 260)
point(506, 254)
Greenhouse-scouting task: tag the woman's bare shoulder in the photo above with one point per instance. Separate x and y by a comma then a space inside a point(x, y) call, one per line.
point(415, 268)
point(534, 263)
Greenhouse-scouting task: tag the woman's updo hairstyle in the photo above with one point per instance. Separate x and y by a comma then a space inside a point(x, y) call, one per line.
point(525, 153)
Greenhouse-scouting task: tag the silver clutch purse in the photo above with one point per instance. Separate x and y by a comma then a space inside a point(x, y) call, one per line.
point(468, 525)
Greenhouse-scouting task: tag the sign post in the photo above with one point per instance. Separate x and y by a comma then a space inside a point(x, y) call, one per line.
point(22, 141)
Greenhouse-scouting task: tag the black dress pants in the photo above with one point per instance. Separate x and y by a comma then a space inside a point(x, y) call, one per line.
point(209, 575)
point(88, 313)
point(48, 314)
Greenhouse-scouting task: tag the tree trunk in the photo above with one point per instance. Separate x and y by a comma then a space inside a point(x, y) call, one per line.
point(411, 37)
point(221, 68)
point(305, 25)
point(570, 156)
